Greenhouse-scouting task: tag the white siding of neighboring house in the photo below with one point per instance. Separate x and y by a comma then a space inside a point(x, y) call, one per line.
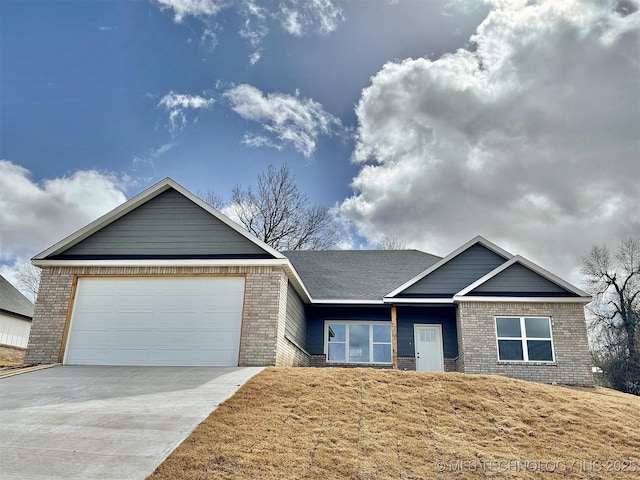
point(14, 331)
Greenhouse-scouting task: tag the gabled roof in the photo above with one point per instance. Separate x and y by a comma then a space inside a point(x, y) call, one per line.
point(563, 288)
point(478, 240)
point(356, 275)
point(14, 302)
point(139, 200)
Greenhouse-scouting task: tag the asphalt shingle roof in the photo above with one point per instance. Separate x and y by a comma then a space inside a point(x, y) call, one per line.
point(12, 301)
point(357, 274)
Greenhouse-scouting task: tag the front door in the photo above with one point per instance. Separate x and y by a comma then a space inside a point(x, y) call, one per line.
point(428, 343)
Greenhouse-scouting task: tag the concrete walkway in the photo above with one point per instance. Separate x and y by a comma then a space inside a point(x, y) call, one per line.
point(104, 422)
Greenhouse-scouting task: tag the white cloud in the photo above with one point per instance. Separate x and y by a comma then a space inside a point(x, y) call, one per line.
point(531, 140)
point(195, 8)
point(209, 38)
point(285, 119)
point(177, 103)
point(299, 18)
point(35, 216)
point(257, 141)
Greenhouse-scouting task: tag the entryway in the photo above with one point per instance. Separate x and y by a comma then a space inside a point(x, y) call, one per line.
point(429, 349)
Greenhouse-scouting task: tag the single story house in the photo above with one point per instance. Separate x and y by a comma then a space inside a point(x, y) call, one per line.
point(16, 312)
point(166, 279)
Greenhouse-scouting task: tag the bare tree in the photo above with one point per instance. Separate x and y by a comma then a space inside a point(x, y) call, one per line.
point(393, 243)
point(278, 213)
point(614, 281)
point(28, 280)
point(212, 198)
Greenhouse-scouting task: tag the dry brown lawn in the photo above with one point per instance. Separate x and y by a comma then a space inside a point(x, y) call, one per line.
point(11, 356)
point(334, 423)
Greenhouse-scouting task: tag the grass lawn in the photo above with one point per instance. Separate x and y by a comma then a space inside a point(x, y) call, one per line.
point(335, 423)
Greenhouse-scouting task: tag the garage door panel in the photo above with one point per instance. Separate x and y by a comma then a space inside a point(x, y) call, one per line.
point(156, 321)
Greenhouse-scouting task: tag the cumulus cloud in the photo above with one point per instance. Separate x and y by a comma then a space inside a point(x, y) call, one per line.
point(284, 119)
point(35, 216)
point(531, 139)
point(177, 103)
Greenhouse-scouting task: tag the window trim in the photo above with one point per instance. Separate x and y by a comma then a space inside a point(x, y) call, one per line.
point(346, 342)
point(523, 340)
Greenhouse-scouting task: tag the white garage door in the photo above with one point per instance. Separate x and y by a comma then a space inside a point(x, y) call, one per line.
point(156, 321)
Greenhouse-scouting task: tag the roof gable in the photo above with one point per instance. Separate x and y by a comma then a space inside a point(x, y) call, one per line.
point(165, 221)
point(12, 301)
point(454, 272)
point(520, 277)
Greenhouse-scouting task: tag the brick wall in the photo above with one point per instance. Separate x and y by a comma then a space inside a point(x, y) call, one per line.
point(478, 351)
point(321, 361)
point(50, 315)
point(406, 363)
point(262, 316)
point(409, 363)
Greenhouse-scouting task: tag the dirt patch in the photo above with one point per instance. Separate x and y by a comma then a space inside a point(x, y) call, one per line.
point(10, 356)
point(335, 423)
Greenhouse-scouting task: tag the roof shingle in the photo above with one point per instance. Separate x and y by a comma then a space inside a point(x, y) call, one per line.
point(357, 274)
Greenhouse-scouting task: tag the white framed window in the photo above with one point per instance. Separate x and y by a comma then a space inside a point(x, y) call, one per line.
point(357, 342)
point(524, 339)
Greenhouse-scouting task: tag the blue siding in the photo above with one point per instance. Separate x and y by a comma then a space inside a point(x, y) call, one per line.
point(295, 326)
point(409, 316)
point(518, 280)
point(456, 274)
point(316, 316)
point(169, 225)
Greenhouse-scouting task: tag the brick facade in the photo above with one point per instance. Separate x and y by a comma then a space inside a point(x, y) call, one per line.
point(321, 361)
point(478, 350)
point(262, 340)
point(409, 363)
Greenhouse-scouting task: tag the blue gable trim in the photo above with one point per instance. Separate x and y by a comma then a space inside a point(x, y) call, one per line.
point(459, 272)
point(519, 281)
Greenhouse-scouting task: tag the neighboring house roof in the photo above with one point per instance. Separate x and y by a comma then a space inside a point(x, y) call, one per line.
point(14, 302)
point(363, 275)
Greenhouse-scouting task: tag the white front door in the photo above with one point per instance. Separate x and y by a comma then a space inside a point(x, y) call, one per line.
point(428, 343)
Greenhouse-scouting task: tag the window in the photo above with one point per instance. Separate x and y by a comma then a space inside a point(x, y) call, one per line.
point(358, 342)
point(524, 339)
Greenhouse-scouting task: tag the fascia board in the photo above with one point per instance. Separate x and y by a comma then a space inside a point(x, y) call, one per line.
point(297, 282)
point(161, 262)
point(140, 199)
point(531, 266)
point(325, 301)
point(478, 239)
point(582, 300)
point(417, 300)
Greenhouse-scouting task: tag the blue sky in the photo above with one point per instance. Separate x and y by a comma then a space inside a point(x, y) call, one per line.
point(432, 121)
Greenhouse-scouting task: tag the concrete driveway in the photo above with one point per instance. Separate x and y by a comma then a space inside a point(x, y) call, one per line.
point(104, 422)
